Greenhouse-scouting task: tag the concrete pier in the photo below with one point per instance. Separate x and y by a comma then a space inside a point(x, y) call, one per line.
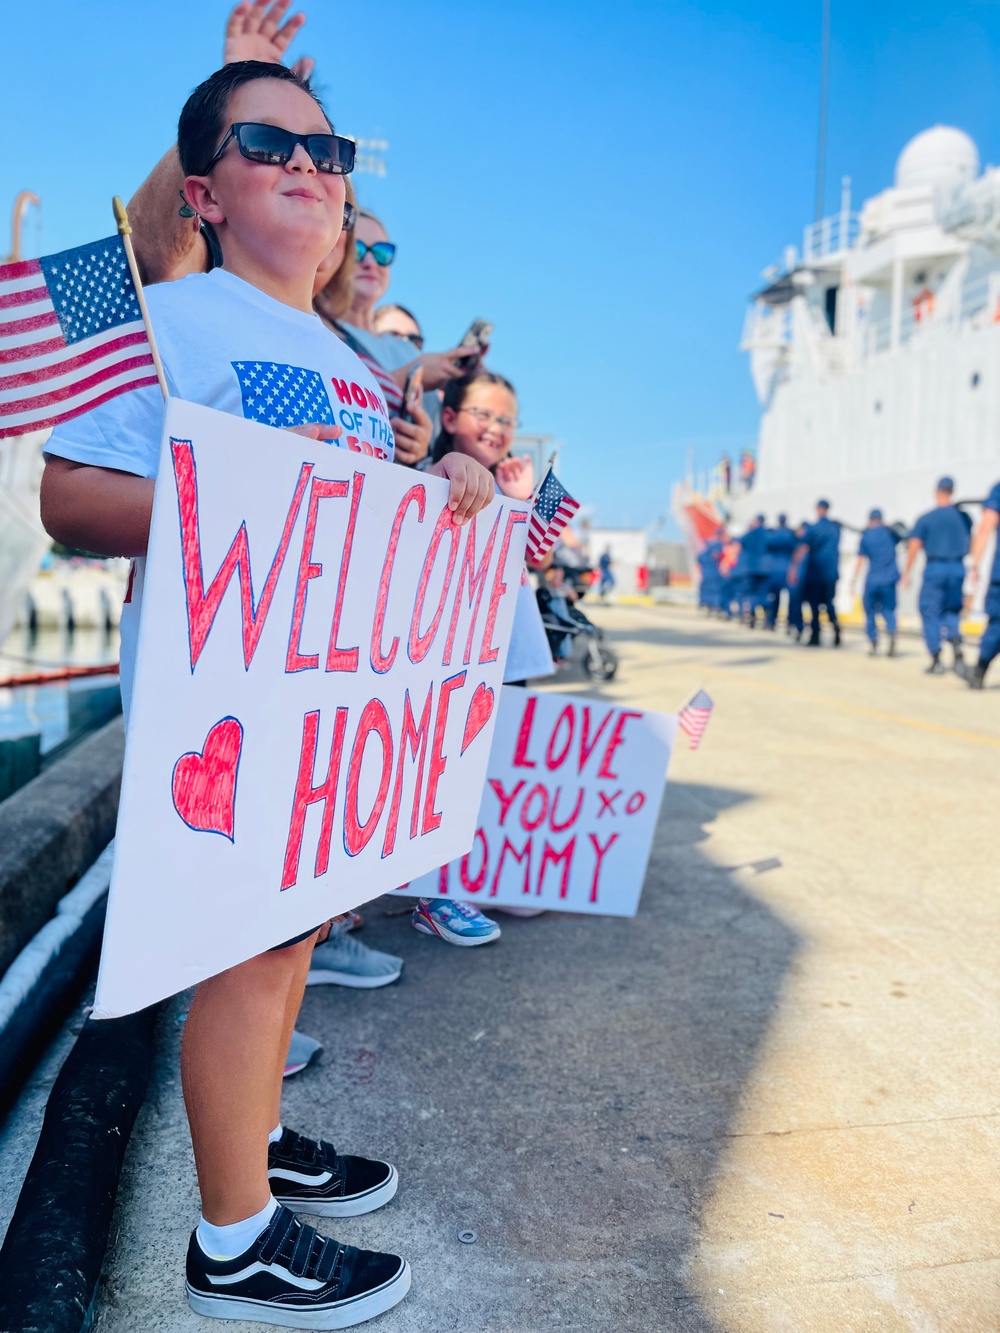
point(767, 1103)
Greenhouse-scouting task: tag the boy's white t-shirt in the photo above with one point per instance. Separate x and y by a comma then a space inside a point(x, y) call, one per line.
point(228, 345)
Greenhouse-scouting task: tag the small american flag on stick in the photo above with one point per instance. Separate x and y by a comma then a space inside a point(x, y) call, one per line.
point(693, 718)
point(553, 509)
point(72, 335)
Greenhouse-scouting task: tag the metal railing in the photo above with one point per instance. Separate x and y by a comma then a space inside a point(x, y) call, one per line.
point(830, 236)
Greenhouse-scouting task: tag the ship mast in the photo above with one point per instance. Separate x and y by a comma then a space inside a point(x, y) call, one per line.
point(21, 205)
point(824, 94)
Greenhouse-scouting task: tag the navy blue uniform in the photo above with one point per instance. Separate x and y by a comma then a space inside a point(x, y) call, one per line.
point(781, 545)
point(710, 592)
point(990, 646)
point(753, 547)
point(879, 545)
point(822, 571)
point(944, 533)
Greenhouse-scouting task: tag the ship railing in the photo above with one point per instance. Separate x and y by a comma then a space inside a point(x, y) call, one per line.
point(830, 236)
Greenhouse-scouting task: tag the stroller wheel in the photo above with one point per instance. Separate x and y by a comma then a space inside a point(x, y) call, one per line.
point(600, 662)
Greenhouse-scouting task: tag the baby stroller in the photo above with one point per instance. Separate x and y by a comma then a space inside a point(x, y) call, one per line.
point(572, 636)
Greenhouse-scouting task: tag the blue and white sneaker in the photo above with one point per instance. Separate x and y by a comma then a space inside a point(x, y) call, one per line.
point(458, 923)
point(296, 1278)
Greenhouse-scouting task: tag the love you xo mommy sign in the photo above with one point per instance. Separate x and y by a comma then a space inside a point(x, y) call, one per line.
point(319, 663)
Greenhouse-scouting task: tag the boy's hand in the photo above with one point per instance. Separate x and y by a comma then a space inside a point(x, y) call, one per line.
point(317, 430)
point(472, 486)
point(413, 438)
point(515, 477)
point(252, 33)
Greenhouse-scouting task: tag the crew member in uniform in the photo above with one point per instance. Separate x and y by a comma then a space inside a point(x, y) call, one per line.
point(990, 645)
point(795, 579)
point(878, 547)
point(710, 592)
point(753, 545)
point(943, 534)
point(819, 588)
point(780, 549)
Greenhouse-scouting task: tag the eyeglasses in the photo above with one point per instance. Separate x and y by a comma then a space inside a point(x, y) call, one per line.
point(272, 146)
point(486, 418)
point(383, 252)
point(350, 215)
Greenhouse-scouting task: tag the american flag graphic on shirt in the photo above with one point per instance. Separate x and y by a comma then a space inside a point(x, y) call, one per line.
point(693, 718)
point(282, 396)
point(553, 509)
point(71, 336)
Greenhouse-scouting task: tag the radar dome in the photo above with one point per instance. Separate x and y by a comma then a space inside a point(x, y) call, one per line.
point(943, 157)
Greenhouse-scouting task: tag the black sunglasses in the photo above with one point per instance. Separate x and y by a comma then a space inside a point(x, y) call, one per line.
point(273, 146)
point(350, 215)
point(383, 252)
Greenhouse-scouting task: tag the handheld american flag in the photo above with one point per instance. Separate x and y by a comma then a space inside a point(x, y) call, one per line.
point(553, 509)
point(71, 335)
point(693, 718)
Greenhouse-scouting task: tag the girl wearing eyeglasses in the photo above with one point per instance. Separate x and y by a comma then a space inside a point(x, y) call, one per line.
point(479, 419)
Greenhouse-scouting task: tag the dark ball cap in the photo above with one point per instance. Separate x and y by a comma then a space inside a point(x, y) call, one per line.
point(761, 518)
point(875, 513)
point(822, 504)
point(782, 518)
point(946, 484)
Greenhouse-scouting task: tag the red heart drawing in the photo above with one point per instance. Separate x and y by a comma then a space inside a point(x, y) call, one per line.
point(480, 710)
point(204, 782)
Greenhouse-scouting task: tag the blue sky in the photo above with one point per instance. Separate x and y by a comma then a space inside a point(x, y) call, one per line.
point(603, 182)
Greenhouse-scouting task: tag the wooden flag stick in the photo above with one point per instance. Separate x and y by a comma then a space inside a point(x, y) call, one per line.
point(548, 468)
point(125, 231)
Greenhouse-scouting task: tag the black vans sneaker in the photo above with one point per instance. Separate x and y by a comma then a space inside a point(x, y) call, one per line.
point(294, 1277)
point(313, 1178)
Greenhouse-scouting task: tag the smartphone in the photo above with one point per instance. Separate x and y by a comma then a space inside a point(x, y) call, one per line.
point(413, 391)
point(477, 336)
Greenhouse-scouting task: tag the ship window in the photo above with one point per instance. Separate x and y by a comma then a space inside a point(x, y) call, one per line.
point(975, 379)
point(831, 308)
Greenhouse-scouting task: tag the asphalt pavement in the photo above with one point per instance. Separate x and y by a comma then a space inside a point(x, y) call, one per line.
point(768, 1102)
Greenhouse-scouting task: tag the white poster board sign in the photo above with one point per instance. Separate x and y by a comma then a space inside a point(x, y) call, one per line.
point(570, 805)
point(320, 654)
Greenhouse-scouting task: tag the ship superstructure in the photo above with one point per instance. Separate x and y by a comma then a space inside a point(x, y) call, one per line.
point(875, 349)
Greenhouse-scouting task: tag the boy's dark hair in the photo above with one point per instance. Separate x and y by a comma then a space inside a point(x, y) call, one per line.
point(454, 397)
point(203, 123)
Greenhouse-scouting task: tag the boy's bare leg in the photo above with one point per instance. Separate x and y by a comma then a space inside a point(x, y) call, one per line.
point(232, 1058)
point(292, 1006)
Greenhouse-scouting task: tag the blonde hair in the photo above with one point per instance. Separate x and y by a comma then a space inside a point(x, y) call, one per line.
point(334, 300)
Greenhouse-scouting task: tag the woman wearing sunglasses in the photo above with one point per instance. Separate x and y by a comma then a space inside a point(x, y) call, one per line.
point(479, 419)
point(374, 254)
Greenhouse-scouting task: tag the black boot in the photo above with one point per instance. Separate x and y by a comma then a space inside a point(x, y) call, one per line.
point(959, 662)
point(976, 677)
point(892, 646)
point(935, 668)
point(872, 651)
point(836, 636)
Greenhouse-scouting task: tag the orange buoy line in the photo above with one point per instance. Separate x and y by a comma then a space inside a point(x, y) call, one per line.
point(53, 677)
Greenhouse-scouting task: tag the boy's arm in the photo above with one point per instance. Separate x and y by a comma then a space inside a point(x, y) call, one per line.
point(96, 508)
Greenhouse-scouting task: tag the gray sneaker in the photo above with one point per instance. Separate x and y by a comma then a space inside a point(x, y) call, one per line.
point(302, 1050)
point(345, 961)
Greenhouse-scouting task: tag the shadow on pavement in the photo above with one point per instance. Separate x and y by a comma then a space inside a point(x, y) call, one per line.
point(566, 1093)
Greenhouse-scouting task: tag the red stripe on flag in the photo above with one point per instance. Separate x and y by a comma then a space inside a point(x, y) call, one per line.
point(26, 427)
point(28, 350)
point(43, 373)
point(21, 268)
point(28, 325)
point(25, 297)
point(44, 400)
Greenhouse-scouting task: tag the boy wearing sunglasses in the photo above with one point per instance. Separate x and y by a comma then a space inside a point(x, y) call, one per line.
point(263, 166)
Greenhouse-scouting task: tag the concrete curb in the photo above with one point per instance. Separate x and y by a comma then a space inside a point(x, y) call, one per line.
point(51, 830)
point(41, 985)
point(52, 1255)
